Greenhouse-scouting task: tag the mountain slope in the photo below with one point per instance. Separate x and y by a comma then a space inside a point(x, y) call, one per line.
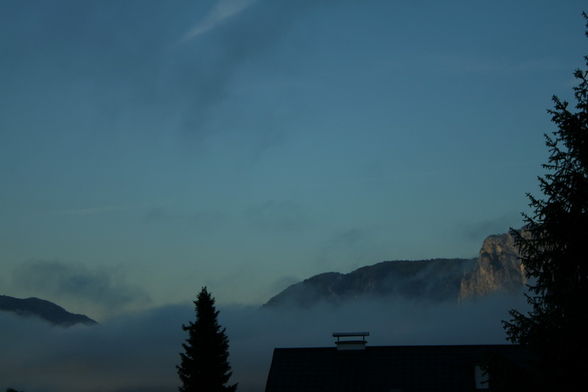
point(437, 279)
point(48, 311)
point(497, 268)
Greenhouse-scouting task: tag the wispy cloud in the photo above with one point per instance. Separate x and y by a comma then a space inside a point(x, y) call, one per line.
point(478, 230)
point(222, 10)
point(350, 248)
point(90, 210)
point(283, 216)
point(100, 210)
point(478, 64)
point(99, 291)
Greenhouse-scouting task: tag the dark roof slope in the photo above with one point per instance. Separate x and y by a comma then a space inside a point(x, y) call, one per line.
point(386, 369)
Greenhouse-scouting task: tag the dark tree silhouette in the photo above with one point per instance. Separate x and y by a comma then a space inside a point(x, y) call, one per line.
point(204, 363)
point(553, 251)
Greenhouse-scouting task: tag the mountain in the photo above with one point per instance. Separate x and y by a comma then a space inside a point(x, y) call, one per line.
point(48, 311)
point(497, 268)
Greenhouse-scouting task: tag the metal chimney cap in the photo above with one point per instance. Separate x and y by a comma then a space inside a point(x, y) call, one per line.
point(346, 334)
point(350, 340)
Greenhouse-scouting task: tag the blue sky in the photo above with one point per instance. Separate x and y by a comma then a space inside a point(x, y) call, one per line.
point(149, 148)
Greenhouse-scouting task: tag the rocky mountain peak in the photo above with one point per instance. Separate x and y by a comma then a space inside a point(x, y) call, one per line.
point(497, 268)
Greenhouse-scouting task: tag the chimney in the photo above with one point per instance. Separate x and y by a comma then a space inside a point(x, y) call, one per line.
point(350, 340)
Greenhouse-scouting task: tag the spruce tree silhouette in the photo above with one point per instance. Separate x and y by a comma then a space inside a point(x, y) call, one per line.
point(553, 252)
point(204, 363)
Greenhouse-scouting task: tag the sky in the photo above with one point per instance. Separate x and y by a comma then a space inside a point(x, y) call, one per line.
point(149, 148)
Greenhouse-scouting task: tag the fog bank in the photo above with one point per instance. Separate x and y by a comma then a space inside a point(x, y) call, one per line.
point(138, 352)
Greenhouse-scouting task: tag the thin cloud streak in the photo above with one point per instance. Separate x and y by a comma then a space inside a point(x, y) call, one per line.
point(221, 11)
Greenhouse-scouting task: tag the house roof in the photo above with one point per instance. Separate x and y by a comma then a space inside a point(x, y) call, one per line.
point(384, 368)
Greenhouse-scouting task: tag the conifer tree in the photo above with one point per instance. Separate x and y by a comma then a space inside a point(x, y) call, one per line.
point(204, 363)
point(554, 251)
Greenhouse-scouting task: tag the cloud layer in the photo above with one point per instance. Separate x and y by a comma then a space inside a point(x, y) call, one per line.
point(139, 352)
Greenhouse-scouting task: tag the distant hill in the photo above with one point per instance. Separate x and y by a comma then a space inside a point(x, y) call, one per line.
point(496, 269)
point(48, 311)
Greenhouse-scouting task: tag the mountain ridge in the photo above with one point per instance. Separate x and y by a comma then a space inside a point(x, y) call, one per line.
point(42, 309)
point(497, 268)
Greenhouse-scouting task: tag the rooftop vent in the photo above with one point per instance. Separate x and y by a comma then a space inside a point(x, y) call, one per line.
point(350, 340)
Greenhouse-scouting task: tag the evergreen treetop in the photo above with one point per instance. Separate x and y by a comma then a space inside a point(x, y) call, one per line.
point(204, 363)
point(553, 249)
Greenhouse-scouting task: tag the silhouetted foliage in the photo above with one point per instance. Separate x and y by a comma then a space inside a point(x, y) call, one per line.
point(508, 374)
point(553, 251)
point(204, 364)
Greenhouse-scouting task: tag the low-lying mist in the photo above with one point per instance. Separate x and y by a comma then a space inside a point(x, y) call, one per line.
point(138, 352)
